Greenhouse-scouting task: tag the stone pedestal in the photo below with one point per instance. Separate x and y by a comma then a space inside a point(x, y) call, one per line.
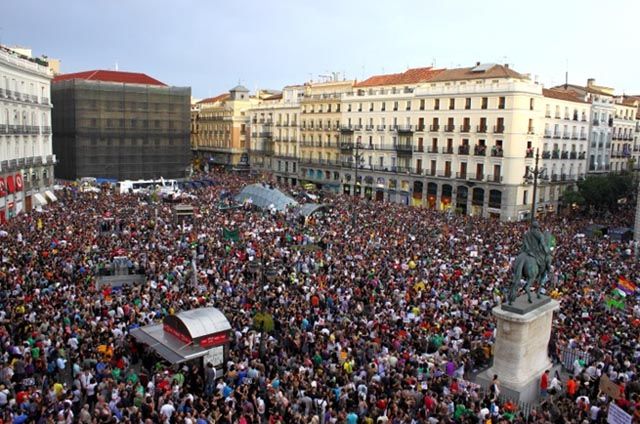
point(520, 352)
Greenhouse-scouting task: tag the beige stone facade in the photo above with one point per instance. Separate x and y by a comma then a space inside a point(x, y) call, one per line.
point(220, 128)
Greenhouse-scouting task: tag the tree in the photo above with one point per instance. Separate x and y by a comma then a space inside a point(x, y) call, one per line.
point(605, 191)
point(572, 197)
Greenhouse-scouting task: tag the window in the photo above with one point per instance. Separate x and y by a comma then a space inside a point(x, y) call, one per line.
point(531, 104)
point(395, 105)
point(436, 105)
point(501, 102)
point(421, 104)
point(384, 106)
point(408, 105)
point(467, 103)
point(485, 102)
point(452, 104)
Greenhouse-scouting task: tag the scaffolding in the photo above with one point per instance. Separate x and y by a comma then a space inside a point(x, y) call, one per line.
point(120, 131)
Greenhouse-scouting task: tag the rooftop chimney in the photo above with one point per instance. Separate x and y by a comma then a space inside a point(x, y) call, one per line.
point(590, 82)
point(477, 63)
point(506, 65)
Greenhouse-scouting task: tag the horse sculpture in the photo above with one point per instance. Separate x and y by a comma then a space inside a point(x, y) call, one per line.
point(527, 266)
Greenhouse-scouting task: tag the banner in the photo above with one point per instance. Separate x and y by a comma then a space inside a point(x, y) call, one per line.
point(617, 415)
point(233, 235)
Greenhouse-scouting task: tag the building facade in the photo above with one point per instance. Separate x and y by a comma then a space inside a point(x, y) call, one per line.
point(26, 158)
point(119, 125)
point(220, 134)
point(623, 135)
point(275, 134)
point(461, 139)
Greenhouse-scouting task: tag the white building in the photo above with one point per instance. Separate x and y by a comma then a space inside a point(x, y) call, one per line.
point(26, 159)
point(622, 137)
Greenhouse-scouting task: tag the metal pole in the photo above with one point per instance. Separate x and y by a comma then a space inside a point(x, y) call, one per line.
point(355, 184)
point(535, 186)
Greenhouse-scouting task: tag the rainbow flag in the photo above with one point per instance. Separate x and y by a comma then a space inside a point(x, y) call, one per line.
point(626, 286)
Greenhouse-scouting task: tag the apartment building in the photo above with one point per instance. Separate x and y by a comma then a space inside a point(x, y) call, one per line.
point(602, 102)
point(26, 159)
point(320, 132)
point(275, 134)
point(220, 128)
point(623, 134)
point(565, 143)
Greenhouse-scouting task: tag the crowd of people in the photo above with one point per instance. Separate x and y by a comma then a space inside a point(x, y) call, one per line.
point(382, 319)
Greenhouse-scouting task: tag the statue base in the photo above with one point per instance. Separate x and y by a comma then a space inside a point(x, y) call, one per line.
point(520, 352)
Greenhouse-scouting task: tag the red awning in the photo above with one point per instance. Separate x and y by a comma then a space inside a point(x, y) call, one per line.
point(3, 187)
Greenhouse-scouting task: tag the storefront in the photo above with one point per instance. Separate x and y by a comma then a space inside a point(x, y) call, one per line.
point(189, 335)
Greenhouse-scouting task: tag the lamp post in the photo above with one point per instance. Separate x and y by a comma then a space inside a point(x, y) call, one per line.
point(534, 174)
point(356, 160)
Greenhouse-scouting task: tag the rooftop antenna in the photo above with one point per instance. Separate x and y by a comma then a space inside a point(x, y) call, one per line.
point(566, 73)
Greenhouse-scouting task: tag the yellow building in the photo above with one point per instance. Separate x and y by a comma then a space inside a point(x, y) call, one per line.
point(220, 128)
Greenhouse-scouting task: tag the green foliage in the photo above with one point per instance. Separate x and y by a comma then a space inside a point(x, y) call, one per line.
point(263, 322)
point(571, 196)
point(605, 191)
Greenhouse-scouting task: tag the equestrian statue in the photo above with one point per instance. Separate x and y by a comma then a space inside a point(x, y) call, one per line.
point(533, 264)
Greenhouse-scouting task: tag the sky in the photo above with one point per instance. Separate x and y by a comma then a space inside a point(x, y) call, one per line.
point(212, 45)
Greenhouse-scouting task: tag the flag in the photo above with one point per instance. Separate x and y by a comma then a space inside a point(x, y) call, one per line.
point(615, 303)
point(626, 286)
point(39, 224)
point(229, 234)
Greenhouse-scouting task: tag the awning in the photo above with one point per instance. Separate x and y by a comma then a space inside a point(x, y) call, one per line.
point(40, 198)
point(166, 345)
point(51, 196)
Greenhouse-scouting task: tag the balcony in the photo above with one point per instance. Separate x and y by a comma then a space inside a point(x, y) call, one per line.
point(462, 175)
point(497, 152)
point(463, 150)
point(404, 149)
point(433, 149)
point(573, 155)
point(477, 176)
point(574, 136)
point(529, 153)
point(420, 128)
point(564, 155)
point(2, 92)
point(566, 136)
point(554, 177)
point(447, 150)
point(482, 129)
point(346, 146)
point(381, 127)
point(444, 174)
point(357, 127)
point(546, 154)
point(465, 128)
point(479, 150)
point(494, 178)
point(449, 128)
point(557, 135)
point(531, 130)
point(583, 137)
point(547, 134)
point(596, 122)
point(555, 154)
point(405, 128)
point(563, 177)
point(393, 128)
point(498, 129)
point(4, 129)
point(434, 128)
point(368, 127)
point(266, 134)
point(346, 129)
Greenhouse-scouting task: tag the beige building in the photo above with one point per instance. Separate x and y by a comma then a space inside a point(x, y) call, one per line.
point(320, 132)
point(459, 139)
point(275, 134)
point(219, 128)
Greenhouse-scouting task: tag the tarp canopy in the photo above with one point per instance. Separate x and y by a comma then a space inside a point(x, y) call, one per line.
point(263, 196)
point(166, 345)
point(309, 209)
point(40, 198)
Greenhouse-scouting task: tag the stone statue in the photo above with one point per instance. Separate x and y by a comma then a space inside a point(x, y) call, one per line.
point(534, 262)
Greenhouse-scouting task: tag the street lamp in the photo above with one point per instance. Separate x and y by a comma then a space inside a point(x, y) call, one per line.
point(357, 160)
point(534, 174)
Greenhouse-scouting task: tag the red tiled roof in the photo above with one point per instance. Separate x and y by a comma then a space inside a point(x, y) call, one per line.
point(218, 98)
point(491, 71)
point(410, 76)
point(110, 76)
point(570, 95)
